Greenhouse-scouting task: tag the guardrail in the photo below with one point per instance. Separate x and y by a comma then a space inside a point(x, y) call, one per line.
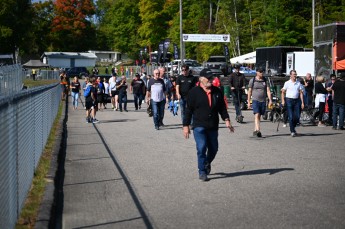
point(25, 119)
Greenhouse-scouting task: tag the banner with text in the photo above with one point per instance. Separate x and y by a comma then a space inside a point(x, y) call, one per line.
point(206, 37)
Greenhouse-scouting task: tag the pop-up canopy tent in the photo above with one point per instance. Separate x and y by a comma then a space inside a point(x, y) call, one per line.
point(35, 64)
point(339, 55)
point(249, 58)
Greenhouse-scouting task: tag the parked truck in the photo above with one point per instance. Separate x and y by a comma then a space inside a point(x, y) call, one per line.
point(302, 62)
point(273, 59)
point(329, 49)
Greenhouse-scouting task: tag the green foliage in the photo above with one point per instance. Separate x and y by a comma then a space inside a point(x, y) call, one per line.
point(127, 26)
point(41, 27)
point(153, 28)
point(118, 24)
point(15, 19)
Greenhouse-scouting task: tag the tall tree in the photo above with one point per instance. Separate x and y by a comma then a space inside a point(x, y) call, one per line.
point(15, 17)
point(72, 25)
point(153, 28)
point(119, 21)
point(42, 38)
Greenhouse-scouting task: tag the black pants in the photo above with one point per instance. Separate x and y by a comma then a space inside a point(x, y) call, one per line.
point(320, 112)
point(138, 99)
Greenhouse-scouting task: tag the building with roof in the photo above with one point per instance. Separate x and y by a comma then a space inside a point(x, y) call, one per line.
point(107, 56)
point(69, 59)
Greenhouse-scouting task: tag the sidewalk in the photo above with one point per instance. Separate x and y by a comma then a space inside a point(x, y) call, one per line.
point(122, 173)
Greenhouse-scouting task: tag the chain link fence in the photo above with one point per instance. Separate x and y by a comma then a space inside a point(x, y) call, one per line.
point(26, 119)
point(12, 76)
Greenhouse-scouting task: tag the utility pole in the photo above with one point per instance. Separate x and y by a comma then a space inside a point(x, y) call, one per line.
point(181, 35)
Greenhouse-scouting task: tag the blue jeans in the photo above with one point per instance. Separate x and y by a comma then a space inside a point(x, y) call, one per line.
point(123, 99)
point(183, 105)
point(138, 99)
point(75, 97)
point(206, 146)
point(338, 109)
point(294, 110)
point(237, 99)
point(158, 112)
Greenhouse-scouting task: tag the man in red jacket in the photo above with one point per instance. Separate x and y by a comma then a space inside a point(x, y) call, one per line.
point(204, 104)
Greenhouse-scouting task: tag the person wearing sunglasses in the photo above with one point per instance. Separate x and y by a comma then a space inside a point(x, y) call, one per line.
point(184, 84)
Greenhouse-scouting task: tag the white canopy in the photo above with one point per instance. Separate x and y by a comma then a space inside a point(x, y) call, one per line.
point(249, 58)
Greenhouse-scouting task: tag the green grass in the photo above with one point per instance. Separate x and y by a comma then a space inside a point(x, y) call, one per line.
point(29, 212)
point(35, 83)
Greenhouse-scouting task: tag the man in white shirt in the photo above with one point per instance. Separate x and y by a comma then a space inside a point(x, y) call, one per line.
point(292, 94)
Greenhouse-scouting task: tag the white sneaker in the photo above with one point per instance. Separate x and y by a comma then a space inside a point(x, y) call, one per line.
point(284, 125)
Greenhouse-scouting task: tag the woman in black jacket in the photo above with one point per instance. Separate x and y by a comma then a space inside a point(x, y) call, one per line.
point(320, 98)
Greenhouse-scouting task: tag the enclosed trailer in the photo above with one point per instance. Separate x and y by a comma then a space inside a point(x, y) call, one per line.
point(302, 62)
point(329, 49)
point(273, 59)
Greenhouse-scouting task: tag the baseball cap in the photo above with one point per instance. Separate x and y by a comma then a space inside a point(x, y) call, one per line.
point(206, 73)
point(260, 70)
point(137, 75)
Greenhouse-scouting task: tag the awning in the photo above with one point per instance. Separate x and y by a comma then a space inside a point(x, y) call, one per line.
point(35, 64)
point(249, 58)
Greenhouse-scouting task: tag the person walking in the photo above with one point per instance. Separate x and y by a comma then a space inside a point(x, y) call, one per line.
point(338, 93)
point(204, 105)
point(184, 84)
point(75, 88)
point(138, 89)
point(91, 105)
point(309, 86)
point(113, 92)
point(100, 92)
point(330, 99)
point(258, 89)
point(156, 96)
point(168, 85)
point(106, 92)
point(320, 99)
point(292, 94)
point(237, 83)
point(121, 86)
point(64, 83)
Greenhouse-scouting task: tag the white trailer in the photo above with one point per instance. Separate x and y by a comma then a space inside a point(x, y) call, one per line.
point(302, 62)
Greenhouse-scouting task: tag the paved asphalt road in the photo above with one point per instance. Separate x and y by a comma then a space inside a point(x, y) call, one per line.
point(122, 173)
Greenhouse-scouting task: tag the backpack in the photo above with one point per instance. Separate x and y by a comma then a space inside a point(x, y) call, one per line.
point(265, 81)
point(87, 91)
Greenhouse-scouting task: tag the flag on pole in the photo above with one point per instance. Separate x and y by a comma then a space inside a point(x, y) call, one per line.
point(160, 51)
point(176, 52)
point(226, 51)
point(165, 48)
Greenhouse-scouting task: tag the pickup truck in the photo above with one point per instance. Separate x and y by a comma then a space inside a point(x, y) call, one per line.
point(218, 62)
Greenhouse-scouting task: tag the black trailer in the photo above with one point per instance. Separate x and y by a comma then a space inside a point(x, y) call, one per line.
point(273, 59)
point(329, 49)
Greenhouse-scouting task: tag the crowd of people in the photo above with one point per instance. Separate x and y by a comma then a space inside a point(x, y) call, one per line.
point(201, 101)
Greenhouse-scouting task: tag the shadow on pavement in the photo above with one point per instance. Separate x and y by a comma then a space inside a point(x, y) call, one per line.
point(93, 182)
point(118, 120)
point(109, 223)
point(247, 173)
